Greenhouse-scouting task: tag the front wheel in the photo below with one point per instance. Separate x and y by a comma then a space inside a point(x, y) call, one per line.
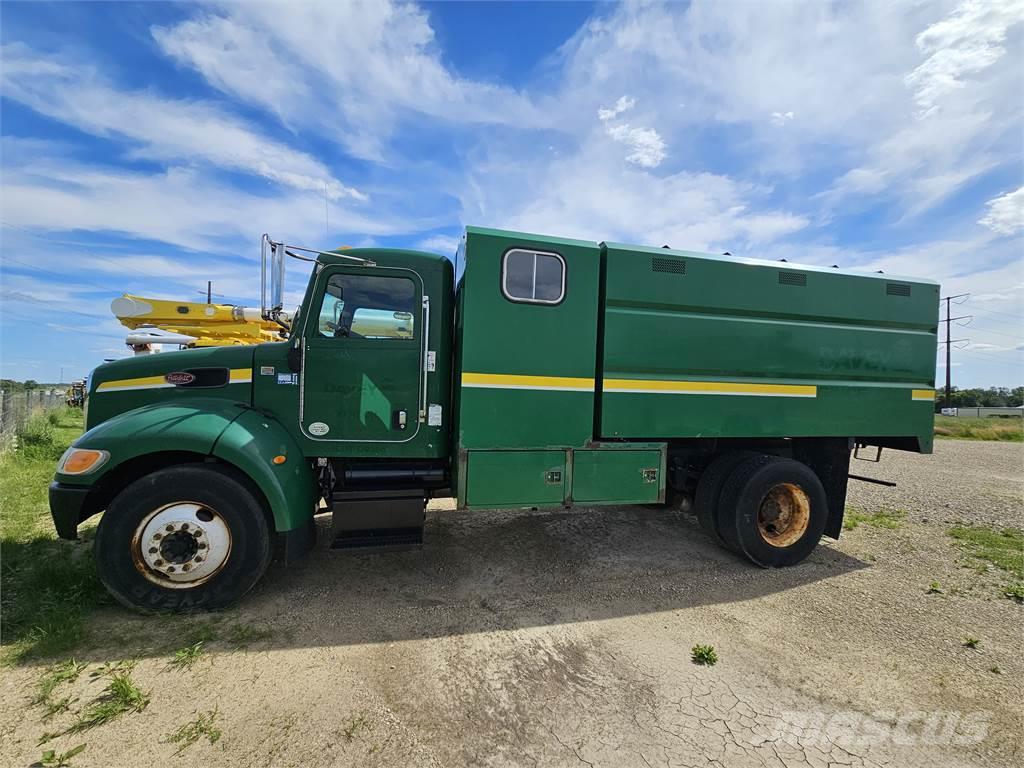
point(191, 536)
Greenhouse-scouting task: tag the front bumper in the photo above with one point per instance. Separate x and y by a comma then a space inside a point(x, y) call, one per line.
point(66, 502)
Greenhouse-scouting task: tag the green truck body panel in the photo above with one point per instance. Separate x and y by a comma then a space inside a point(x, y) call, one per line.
point(578, 398)
point(855, 347)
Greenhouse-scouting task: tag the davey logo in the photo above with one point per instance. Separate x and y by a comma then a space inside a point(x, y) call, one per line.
point(178, 378)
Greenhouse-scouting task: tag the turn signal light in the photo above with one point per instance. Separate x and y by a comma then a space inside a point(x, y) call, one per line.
point(279, 459)
point(78, 461)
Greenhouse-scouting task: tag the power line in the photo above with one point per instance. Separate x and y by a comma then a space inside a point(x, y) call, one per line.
point(949, 340)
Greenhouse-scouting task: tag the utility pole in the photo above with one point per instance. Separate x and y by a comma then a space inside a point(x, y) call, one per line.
point(949, 342)
point(209, 292)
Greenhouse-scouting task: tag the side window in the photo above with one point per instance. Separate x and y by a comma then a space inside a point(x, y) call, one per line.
point(368, 307)
point(535, 277)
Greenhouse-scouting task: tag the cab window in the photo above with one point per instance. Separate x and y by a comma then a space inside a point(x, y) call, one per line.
point(368, 307)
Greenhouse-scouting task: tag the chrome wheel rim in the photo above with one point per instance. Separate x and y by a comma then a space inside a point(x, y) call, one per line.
point(784, 515)
point(181, 545)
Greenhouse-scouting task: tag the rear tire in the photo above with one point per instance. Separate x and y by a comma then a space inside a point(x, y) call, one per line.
point(191, 536)
point(709, 491)
point(773, 510)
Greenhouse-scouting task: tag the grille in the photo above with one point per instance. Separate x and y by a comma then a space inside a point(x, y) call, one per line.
point(792, 278)
point(897, 289)
point(674, 266)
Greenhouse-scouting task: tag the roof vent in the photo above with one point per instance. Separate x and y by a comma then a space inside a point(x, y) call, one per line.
point(897, 289)
point(792, 278)
point(675, 266)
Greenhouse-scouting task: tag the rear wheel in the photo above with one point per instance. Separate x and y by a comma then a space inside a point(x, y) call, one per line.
point(192, 536)
point(709, 490)
point(773, 510)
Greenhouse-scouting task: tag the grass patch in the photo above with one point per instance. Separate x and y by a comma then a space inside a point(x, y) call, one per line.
point(49, 584)
point(1002, 548)
point(193, 731)
point(971, 642)
point(65, 672)
point(352, 728)
point(704, 655)
point(53, 759)
point(884, 518)
point(185, 658)
point(120, 696)
point(991, 428)
point(1014, 592)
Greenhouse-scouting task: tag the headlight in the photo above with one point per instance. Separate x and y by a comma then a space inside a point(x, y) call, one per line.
point(80, 461)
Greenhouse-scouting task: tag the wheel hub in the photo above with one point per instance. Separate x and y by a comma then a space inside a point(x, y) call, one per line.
point(181, 545)
point(784, 515)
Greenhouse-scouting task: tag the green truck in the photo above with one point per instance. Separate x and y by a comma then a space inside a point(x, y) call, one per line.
point(552, 373)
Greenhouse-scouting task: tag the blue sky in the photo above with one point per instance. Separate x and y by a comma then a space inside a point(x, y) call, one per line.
point(146, 147)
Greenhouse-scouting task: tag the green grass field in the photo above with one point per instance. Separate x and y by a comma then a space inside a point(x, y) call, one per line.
point(992, 428)
point(48, 584)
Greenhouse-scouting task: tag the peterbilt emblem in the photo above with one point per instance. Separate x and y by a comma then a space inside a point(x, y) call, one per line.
point(178, 378)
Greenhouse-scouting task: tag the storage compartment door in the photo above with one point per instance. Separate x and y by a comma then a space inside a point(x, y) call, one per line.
point(515, 478)
point(618, 477)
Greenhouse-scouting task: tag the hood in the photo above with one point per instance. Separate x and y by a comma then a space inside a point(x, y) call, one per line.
point(173, 377)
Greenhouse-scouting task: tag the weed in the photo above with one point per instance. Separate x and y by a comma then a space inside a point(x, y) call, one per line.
point(996, 670)
point(1002, 548)
point(971, 642)
point(52, 759)
point(355, 724)
point(704, 654)
point(65, 672)
point(1015, 591)
point(120, 696)
point(935, 589)
point(184, 658)
point(202, 632)
point(191, 732)
point(883, 518)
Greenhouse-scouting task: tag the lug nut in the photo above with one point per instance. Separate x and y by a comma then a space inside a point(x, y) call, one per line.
point(170, 569)
point(185, 567)
point(153, 550)
point(158, 562)
point(199, 559)
point(170, 527)
point(157, 536)
point(184, 526)
point(202, 545)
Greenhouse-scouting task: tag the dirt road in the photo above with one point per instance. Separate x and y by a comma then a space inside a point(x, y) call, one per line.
point(563, 639)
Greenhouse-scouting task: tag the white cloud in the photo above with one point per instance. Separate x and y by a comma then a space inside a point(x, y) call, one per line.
point(1005, 213)
point(781, 118)
point(378, 61)
point(160, 128)
point(963, 44)
point(439, 244)
point(624, 104)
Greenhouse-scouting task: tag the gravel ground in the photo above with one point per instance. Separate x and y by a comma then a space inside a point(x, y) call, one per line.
point(563, 639)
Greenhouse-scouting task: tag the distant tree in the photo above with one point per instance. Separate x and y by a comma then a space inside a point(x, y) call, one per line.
point(31, 384)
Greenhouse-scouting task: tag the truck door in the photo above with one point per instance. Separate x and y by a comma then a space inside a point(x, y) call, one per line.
point(362, 366)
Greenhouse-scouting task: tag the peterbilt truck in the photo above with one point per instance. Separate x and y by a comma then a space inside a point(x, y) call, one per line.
point(553, 373)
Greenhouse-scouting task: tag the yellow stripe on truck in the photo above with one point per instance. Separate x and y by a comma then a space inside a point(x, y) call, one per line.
point(923, 394)
point(508, 381)
point(662, 387)
point(235, 376)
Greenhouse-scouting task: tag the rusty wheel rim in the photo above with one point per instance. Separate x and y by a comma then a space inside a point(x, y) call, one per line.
point(784, 515)
point(181, 545)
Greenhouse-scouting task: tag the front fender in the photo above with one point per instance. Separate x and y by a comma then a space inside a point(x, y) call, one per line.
point(250, 443)
point(193, 427)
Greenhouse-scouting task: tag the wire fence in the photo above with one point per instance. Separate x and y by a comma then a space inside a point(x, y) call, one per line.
point(17, 407)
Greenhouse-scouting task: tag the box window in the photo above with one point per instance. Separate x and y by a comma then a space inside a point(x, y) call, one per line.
point(535, 277)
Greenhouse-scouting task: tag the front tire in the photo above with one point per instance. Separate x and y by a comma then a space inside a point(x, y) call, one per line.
point(191, 536)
